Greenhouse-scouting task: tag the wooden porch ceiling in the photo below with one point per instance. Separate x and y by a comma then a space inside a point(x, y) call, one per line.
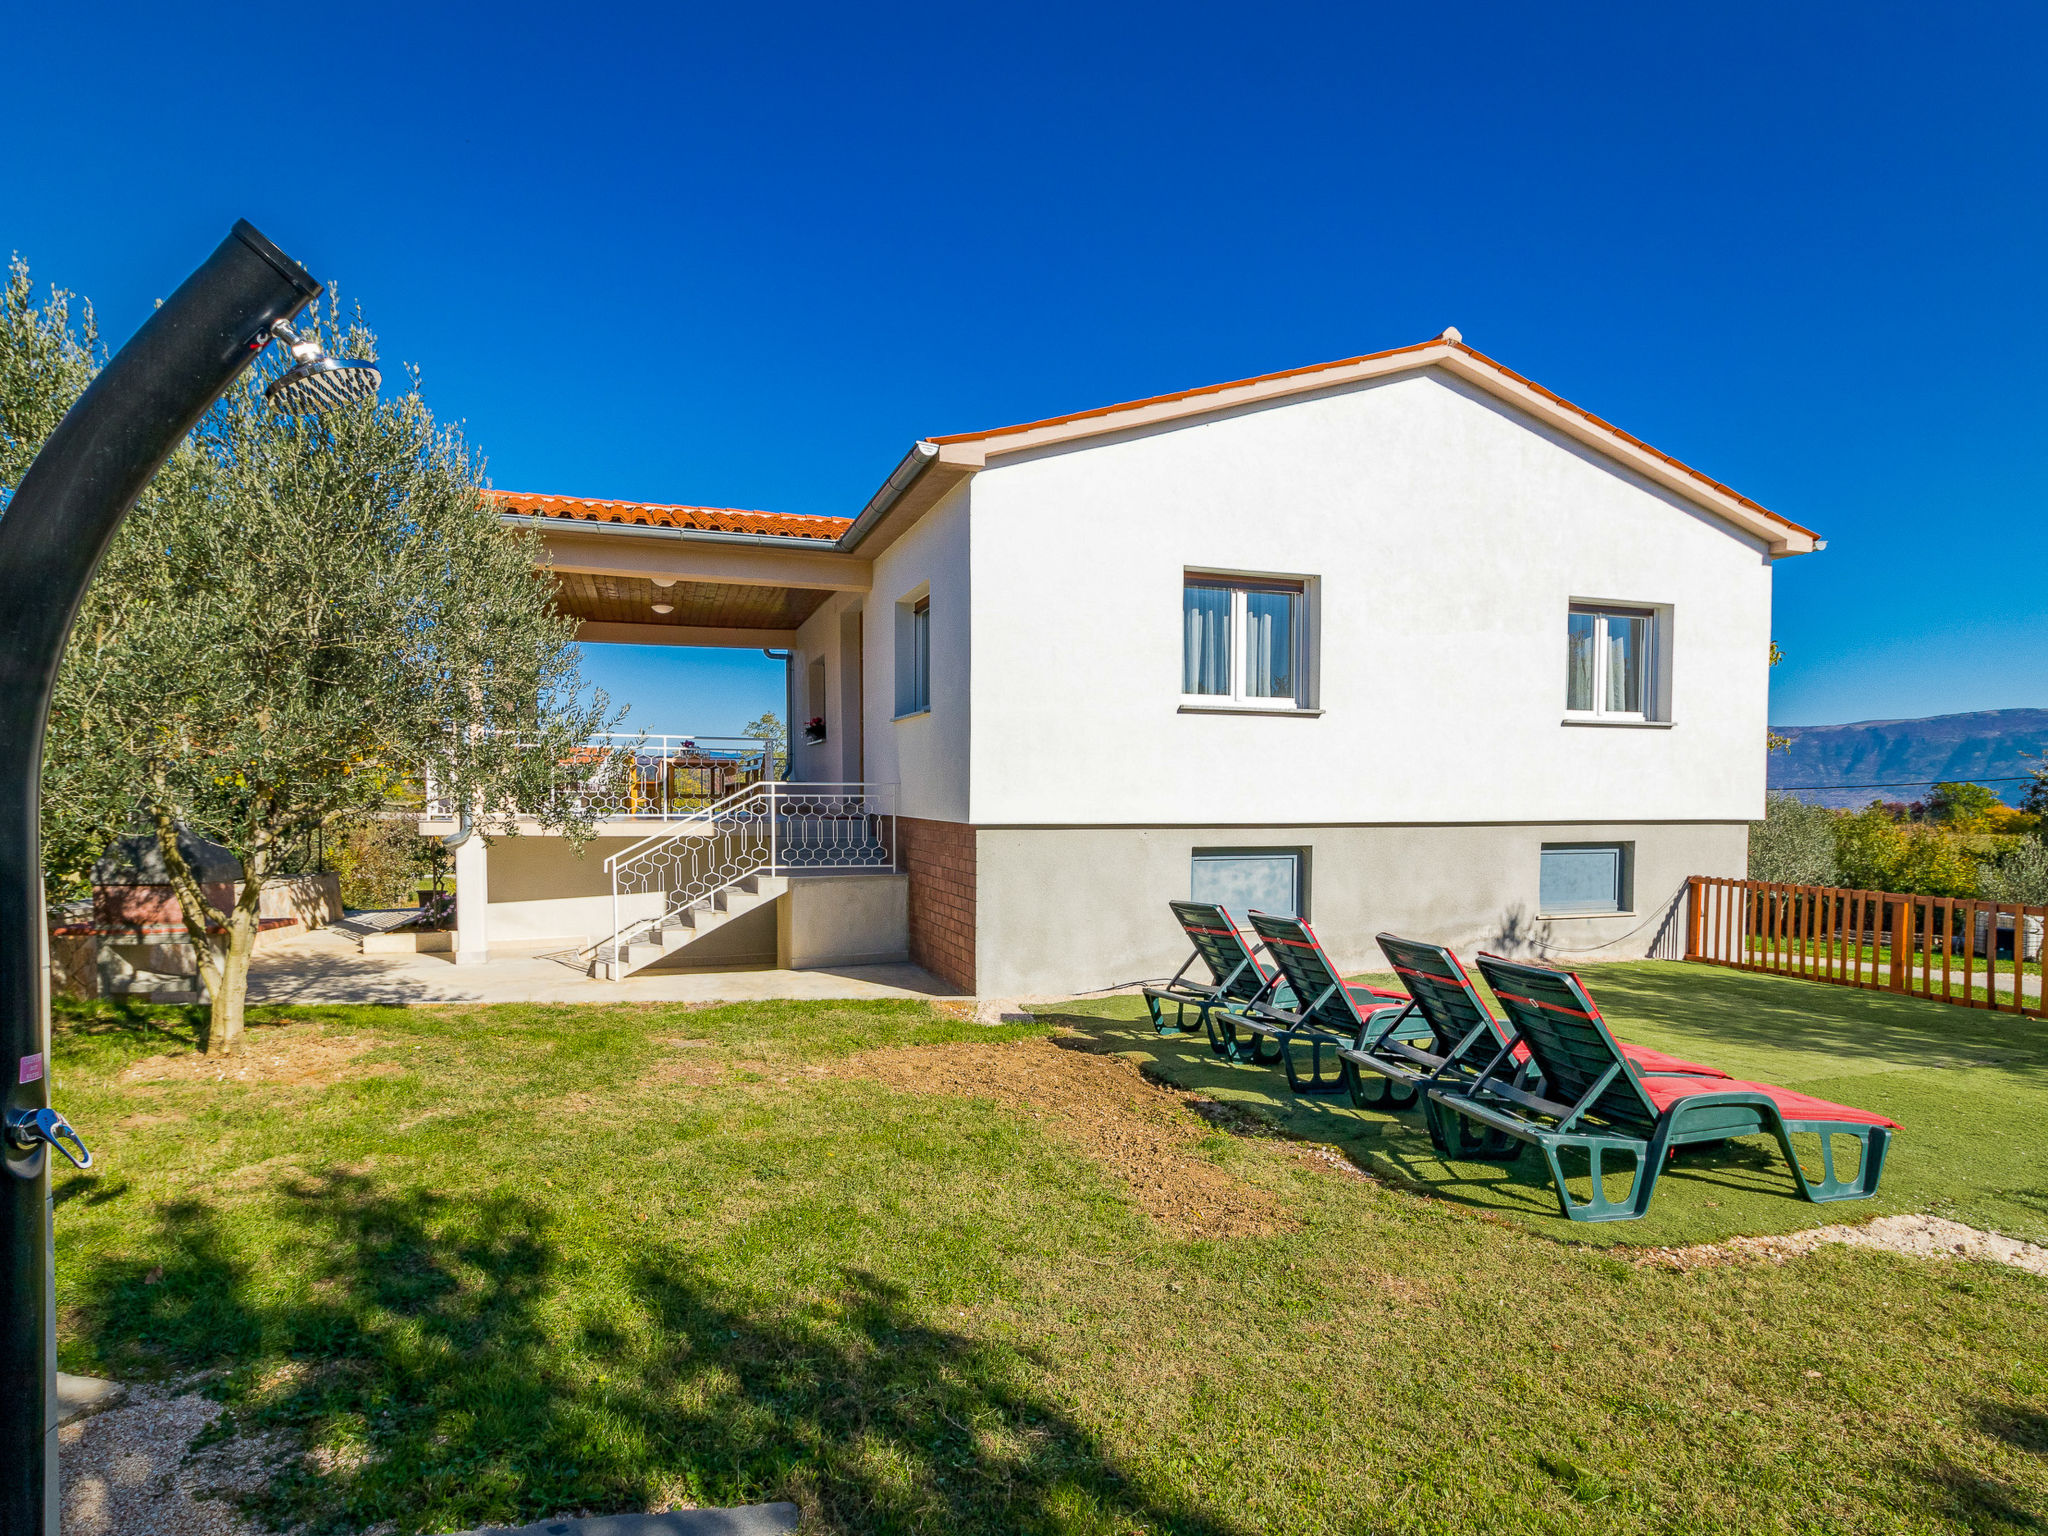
point(698, 604)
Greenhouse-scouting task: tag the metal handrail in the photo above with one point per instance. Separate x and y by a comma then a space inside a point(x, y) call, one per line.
point(767, 828)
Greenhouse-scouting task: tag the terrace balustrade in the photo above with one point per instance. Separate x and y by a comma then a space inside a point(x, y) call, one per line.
point(643, 777)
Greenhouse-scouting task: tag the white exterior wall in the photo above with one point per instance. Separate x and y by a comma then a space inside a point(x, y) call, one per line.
point(1448, 535)
point(927, 755)
point(836, 759)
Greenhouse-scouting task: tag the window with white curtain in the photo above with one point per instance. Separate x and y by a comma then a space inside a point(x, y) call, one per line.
point(1611, 662)
point(1244, 641)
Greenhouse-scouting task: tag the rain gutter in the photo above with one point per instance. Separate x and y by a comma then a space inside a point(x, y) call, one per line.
point(920, 458)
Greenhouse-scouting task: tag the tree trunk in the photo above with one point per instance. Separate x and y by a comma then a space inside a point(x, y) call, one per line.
point(198, 912)
point(231, 993)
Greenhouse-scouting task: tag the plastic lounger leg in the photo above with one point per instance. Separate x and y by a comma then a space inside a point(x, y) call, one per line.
point(1224, 1041)
point(1316, 1082)
point(1875, 1141)
point(1649, 1163)
point(1458, 1139)
point(1369, 1090)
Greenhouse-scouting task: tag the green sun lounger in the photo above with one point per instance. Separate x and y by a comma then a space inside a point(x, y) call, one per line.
point(1237, 982)
point(1326, 1013)
point(1596, 1101)
point(1465, 1039)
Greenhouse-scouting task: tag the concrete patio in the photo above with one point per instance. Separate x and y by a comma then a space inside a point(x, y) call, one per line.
point(328, 967)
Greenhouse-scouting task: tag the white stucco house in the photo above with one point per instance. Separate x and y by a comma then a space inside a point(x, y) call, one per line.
point(1401, 642)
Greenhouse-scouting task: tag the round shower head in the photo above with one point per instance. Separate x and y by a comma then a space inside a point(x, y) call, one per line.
point(317, 382)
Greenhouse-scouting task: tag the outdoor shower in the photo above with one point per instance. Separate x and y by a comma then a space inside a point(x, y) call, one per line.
point(58, 523)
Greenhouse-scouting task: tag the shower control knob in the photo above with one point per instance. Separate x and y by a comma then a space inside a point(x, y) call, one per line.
point(27, 1127)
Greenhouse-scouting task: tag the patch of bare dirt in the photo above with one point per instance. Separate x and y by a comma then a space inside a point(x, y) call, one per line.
point(1138, 1129)
point(1924, 1237)
point(289, 1057)
point(696, 1065)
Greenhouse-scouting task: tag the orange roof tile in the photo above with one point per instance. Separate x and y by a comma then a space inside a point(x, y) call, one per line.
point(648, 514)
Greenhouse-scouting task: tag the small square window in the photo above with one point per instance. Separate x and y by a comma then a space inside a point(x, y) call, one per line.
point(1251, 879)
point(1244, 640)
point(1611, 662)
point(1583, 879)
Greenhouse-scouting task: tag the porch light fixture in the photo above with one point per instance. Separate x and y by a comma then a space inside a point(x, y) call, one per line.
point(664, 581)
point(317, 382)
point(63, 514)
point(664, 607)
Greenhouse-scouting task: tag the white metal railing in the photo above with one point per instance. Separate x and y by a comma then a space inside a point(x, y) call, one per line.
point(642, 777)
point(766, 828)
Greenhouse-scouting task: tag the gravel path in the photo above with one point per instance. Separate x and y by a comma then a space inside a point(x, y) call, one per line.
point(1921, 1237)
point(127, 1471)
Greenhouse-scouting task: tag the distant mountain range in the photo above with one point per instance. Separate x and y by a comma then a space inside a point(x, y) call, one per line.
point(1848, 760)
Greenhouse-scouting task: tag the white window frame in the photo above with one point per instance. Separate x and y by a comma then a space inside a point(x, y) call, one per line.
point(1653, 711)
point(1240, 699)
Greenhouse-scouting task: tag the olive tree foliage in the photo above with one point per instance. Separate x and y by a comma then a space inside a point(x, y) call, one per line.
point(45, 363)
point(2018, 874)
point(306, 619)
point(1794, 844)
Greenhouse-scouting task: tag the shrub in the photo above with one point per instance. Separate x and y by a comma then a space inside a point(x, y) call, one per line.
point(381, 861)
point(1877, 853)
point(2020, 874)
point(1794, 843)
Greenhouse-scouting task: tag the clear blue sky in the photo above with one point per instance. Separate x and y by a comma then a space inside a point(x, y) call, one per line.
point(744, 255)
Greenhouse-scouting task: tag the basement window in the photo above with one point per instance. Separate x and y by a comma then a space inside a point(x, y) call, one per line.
point(1251, 879)
point(1584, 879)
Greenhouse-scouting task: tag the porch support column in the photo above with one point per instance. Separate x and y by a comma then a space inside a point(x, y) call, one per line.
point(472, 901)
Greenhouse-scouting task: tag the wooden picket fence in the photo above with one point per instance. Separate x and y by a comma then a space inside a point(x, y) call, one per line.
point(1975, 954)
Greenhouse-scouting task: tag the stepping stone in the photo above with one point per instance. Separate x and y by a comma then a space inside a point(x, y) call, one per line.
point(78, 1396)
point(748, 1520)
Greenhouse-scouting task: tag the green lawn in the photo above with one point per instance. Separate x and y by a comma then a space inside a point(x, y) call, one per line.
point(512, 1261)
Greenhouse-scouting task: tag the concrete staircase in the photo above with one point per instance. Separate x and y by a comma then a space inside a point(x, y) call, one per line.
point(684, 926)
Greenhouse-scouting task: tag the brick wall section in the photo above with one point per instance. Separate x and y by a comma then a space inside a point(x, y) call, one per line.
point(939, 858)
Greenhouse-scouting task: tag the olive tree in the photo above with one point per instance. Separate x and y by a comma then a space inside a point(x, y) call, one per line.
point(1794, 843)
point(305, 618)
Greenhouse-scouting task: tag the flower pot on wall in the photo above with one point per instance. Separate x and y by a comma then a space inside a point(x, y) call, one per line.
point(814, 731)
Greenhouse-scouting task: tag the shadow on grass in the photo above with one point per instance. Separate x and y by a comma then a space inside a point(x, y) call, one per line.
point(128, 1021)
point(455, 1364)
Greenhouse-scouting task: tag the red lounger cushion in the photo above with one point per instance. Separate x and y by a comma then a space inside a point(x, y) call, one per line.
point(1647, 1060)
point(1667, 1091)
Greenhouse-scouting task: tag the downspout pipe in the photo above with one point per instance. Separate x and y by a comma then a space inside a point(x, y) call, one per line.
point(61, 518)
